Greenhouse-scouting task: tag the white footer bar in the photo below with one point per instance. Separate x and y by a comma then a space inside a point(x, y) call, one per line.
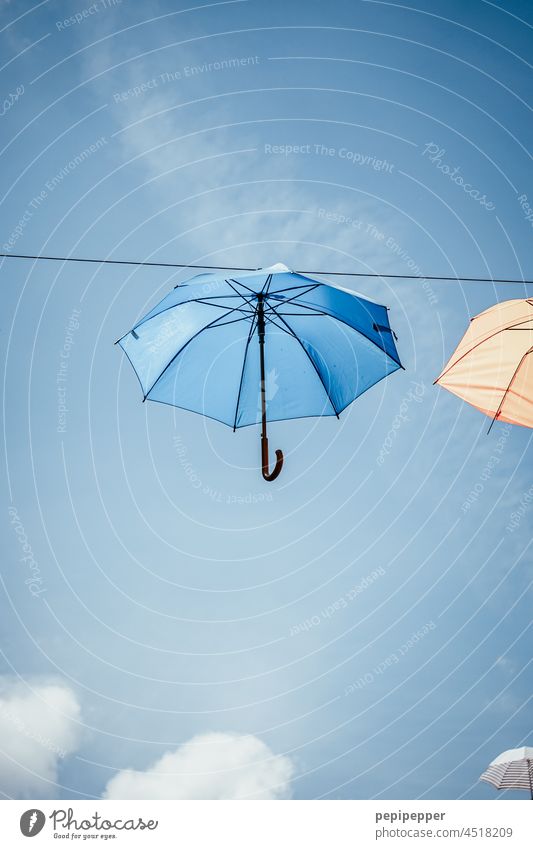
point(269, 824)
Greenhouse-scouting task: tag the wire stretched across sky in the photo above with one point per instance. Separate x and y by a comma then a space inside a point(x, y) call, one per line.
point(458, 278)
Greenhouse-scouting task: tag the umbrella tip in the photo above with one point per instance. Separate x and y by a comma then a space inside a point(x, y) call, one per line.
point(277, 268)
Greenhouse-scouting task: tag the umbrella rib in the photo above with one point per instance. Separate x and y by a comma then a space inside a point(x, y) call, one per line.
point(302, 286)
point(225, 323)
point(238, 283)
point(188, 342)
point(212, 298)
point(284, 301)
point(291, 332)
point(174, 307)
point(300, 314)
point(517, 369)
point(235, 290)
point(248, 301)
point(482, 342)
point(347, 323)
point(250, 334)
point(239, 309)
point(182, 303)
point(266, 285)
point(295, 297)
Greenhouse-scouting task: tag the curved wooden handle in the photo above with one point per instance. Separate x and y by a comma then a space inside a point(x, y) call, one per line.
point(270, 475)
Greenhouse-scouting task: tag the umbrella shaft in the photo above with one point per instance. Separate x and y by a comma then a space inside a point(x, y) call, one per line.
point(261, 334)
point(267, 474)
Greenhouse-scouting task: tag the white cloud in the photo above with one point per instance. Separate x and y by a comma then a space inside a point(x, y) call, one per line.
point(209, 766)
point(38, 727)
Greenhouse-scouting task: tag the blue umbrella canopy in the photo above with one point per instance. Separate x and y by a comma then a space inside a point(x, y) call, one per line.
point(261, 346)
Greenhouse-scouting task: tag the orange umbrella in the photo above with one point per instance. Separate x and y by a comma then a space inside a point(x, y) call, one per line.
point(492, 368)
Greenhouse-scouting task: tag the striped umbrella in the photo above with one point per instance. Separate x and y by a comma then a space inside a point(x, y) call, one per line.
point(512, 769)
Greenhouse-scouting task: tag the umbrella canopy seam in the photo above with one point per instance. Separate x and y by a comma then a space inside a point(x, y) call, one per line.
point(481, 342)
point(291, 333)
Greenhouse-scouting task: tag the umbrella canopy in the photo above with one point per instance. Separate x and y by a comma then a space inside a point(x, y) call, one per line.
point(512, 769)
point(268, 344)
point(492, 368)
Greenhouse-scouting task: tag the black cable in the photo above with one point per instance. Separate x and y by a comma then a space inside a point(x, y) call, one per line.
point(240, 268)
point(128, 262)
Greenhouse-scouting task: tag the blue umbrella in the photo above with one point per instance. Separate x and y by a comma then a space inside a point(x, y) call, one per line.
point(267, 344)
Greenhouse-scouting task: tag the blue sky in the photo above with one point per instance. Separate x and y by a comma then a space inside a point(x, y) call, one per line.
point(176, 595)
